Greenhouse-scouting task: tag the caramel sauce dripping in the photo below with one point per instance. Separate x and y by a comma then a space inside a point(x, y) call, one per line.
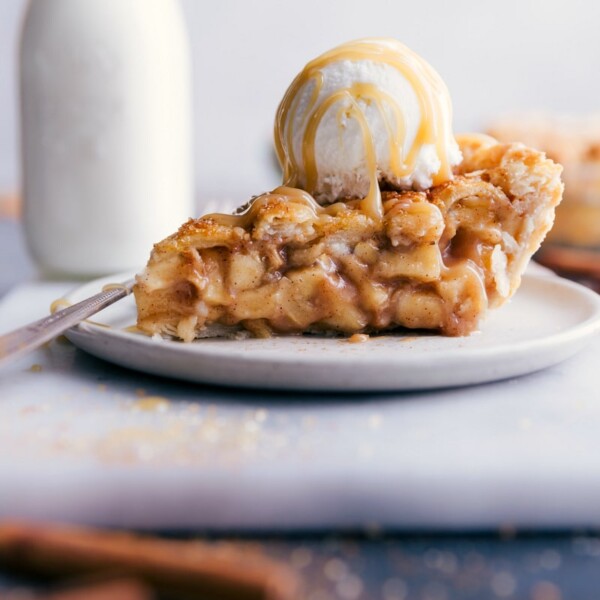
point(109, 287)
point(59, 304)
point(134, 329)
point(432, 97)
point(434, 105)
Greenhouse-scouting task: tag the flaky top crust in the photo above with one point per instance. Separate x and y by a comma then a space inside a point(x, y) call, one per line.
point(482, 225)
point(512, 169)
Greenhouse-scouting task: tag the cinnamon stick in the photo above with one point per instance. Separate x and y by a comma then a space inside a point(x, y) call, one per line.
point(118, 589)
point(182, 569)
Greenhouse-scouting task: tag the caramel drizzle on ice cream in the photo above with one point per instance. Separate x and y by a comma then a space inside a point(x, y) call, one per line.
point(431, 93)
point(434, 105)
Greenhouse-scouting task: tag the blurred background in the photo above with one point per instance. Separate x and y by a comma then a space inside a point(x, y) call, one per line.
point(497, 58)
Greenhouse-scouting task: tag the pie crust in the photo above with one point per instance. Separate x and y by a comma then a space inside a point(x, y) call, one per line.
point(437, 260)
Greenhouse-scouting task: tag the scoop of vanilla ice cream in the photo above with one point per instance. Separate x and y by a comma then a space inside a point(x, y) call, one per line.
point(367, 109)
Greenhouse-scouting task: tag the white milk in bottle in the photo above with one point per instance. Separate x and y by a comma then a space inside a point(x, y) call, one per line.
point(106, 131)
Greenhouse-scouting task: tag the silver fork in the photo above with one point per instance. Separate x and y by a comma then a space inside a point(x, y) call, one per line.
point(32, 336)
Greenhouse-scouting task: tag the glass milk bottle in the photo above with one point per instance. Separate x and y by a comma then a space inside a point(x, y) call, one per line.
point(106, 131)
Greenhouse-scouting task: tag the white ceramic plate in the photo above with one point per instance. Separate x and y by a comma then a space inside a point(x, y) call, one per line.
point(547, 321)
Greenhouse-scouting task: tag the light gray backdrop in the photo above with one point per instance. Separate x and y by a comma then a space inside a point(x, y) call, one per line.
point(496, 57)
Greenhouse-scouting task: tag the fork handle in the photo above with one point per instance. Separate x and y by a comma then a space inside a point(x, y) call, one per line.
point(32, 336)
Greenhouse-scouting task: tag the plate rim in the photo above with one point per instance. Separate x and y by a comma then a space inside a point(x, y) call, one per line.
point(578, 332)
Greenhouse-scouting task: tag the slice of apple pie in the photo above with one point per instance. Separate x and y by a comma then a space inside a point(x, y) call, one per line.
point(437, 259)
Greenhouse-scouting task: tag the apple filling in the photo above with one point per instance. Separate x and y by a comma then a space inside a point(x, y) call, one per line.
point(436, 260)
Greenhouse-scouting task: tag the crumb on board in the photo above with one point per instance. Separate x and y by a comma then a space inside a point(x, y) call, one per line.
point(358, 338)
point(151, 403)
